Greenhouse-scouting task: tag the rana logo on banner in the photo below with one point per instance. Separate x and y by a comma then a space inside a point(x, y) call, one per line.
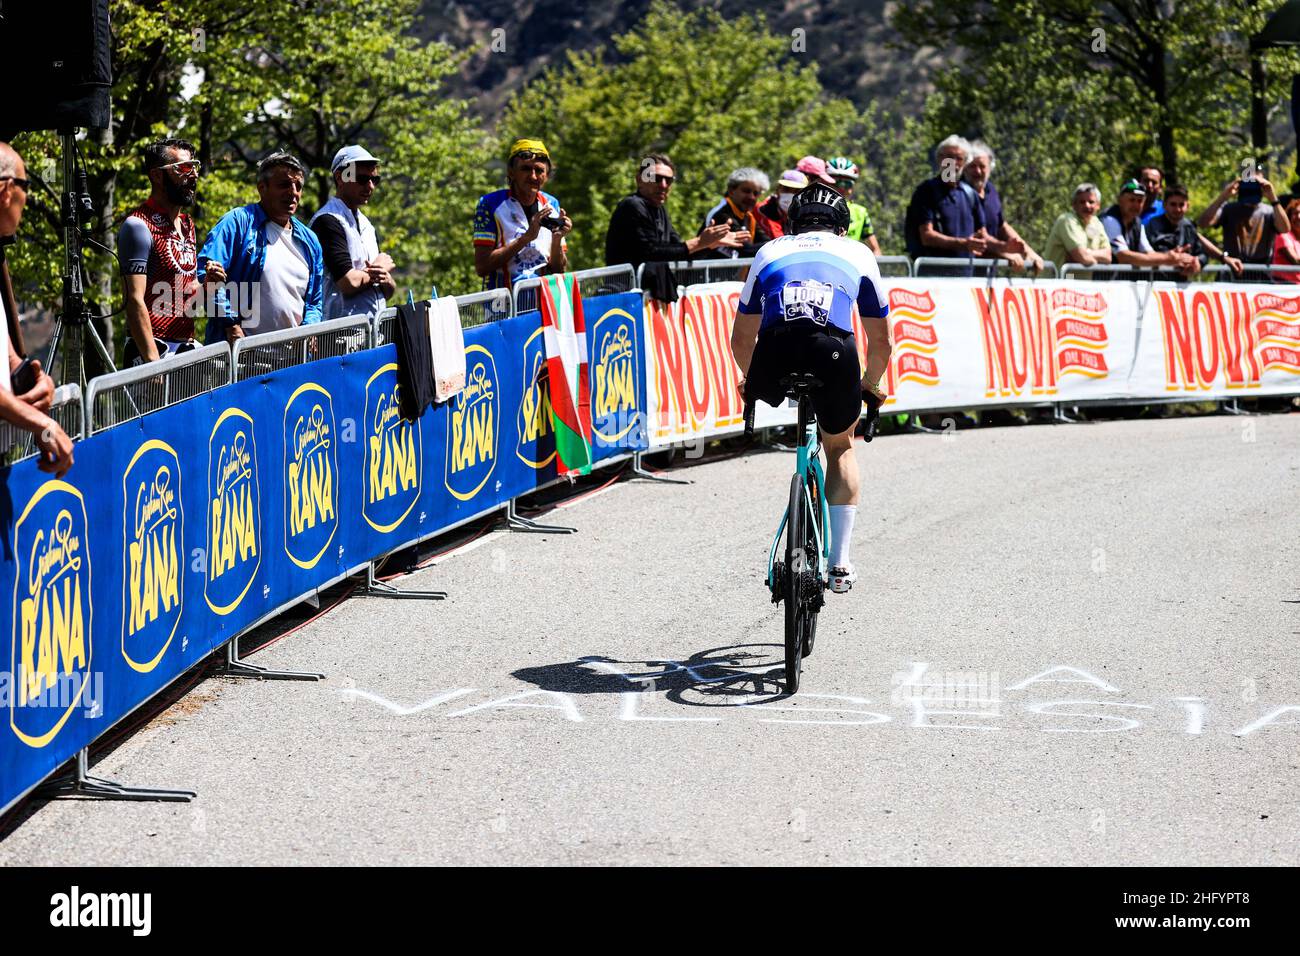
point(1208, 336)
point(234, 533)
point(472, 426)
point(152, 538)
point(51, 624)
point(916, 342)
point(1019, 346)
point(394, 454)
point(614, 410)
point(536, 447)
point(311, 513)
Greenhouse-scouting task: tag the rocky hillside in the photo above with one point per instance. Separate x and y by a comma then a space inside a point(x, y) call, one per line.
point(849, 39)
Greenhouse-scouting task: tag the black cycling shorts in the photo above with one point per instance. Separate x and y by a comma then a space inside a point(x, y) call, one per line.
point(823, 351)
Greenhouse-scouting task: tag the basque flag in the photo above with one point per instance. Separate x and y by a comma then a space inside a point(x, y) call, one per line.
point(565, 334)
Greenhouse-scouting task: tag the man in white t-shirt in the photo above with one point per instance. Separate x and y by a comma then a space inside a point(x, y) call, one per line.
point(262, 256)
point(27, 410)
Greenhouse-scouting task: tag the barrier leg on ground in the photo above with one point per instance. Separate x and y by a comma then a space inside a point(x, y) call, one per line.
point(79, 783)
point(235, 667)
point(377, 588)
point(1059, 415)
point(517, 522)
point(1230, 407)
point(640, 472)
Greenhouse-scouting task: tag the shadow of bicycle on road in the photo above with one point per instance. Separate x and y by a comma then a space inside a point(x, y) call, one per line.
point(739, 675)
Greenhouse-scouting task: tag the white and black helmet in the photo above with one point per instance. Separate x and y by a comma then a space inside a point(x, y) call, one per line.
point(818, 205)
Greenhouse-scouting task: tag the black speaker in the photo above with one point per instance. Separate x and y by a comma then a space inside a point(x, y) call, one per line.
point(57, 65)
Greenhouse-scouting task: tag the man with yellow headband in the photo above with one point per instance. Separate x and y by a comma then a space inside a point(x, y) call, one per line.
point(519, 231)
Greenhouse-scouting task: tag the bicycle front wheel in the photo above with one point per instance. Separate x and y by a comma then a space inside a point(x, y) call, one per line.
point(813, 531)
point(796, 562)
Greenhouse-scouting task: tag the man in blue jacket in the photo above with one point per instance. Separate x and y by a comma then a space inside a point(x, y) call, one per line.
point(266, 266)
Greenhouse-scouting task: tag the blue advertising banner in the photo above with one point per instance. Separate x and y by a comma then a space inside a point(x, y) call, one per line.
point(175, 532)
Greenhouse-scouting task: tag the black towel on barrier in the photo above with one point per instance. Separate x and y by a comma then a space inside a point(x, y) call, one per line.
point(414, 359)
point(657, 278)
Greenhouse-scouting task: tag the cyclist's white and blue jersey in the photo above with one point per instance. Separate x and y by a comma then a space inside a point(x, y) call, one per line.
point(817, 276)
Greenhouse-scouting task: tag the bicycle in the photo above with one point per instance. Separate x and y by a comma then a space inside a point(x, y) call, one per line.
point(802, 576)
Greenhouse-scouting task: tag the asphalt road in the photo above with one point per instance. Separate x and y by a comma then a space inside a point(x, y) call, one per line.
point(1069, 644)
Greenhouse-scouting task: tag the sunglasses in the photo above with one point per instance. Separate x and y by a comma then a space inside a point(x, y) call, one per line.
point(666, 180)
point(375, 179)
point(24, 184)
point(186, 167)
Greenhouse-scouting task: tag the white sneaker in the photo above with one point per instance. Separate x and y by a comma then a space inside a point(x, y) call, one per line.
point(842, 578)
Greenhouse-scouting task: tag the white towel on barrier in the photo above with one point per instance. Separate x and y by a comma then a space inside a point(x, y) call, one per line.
point(447, 342)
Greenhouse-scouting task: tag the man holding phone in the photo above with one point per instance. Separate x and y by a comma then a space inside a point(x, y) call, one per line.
point(1249, 223)
point(519, 231)
point(25, 390)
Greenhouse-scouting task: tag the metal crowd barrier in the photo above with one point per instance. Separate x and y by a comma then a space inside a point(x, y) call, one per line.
point(602, 281)
point(1103, 272)
point(270, 351)
point(66, 408)
point(134, 392)
point(383, 330)
point(480, 308)
point(1252, 273)
point(896, 266)
point(936, 267)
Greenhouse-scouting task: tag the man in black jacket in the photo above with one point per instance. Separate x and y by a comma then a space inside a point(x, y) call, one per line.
point(640, 230)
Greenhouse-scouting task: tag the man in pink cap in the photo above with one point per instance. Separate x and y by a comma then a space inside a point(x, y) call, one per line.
point(815, 168)
point(772, 213)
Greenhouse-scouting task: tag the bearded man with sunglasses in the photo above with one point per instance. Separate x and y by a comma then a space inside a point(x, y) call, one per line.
point(158, 255)
point(362, 275)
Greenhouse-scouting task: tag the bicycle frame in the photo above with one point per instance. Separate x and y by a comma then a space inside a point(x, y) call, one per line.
point(808, 452)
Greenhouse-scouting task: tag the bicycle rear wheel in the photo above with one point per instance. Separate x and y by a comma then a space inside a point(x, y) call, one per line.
point(795, 564)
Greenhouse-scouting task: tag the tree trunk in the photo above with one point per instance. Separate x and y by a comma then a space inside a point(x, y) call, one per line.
point(1164, 128)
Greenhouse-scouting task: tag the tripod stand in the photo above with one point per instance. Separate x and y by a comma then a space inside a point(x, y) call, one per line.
point(74, 322)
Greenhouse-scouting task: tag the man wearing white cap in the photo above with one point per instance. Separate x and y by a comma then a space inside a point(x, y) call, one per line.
point(361, 274)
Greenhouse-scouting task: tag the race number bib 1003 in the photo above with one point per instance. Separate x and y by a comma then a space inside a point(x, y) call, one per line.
point(807, 299)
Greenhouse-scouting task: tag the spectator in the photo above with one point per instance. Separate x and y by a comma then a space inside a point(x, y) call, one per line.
point(941, 220)
point(1128, 238)
point(519, 231)
point(640, 230)
point(845, 173)
point(1286, 246)
point(1171, 229)
point(745, 186)
point(1250, 225)
point(815, 168)
point(1078, 236)
point(1152, 181)
point(361, 275)
point(271, 257)
point(159, 255)
point(1002, 240)
point(25, 410)
point(772, 215)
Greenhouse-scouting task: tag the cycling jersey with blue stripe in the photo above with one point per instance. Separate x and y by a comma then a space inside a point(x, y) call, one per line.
point(817, 276)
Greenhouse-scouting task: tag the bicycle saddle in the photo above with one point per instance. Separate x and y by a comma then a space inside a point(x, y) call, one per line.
point(799, 384)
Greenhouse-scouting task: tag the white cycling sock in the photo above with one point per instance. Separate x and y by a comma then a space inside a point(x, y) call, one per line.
point(841, 533)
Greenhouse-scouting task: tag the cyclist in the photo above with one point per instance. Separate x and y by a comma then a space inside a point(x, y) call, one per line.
point(796, 316)
point(845, 173)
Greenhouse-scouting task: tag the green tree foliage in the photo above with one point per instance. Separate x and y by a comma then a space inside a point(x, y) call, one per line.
point(711, 93)
point(1071, 90)
point(239, 81)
